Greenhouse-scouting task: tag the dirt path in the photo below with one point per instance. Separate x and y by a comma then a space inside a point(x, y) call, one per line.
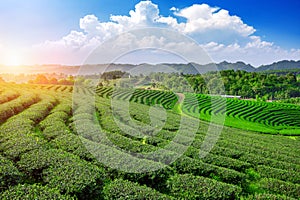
point(181, 97)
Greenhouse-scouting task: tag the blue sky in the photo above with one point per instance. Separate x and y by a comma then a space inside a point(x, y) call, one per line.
point(27, 25)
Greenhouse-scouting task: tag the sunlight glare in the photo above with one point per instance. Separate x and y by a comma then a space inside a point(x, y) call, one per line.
point(13, 60)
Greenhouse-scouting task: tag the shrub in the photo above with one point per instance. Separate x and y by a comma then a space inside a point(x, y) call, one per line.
point(280, 187)
point(15, 106)
point(285, 175)
point(72, 143)
point(188, 165)
point(123, 189)
point(268, 197)
point(75, 177)
point(63, 171)
point(18, 144)
point(33, 162)
point(54, 118)
point(188, 186)
point(55, 130)
point(9, 174)
point(29, 192)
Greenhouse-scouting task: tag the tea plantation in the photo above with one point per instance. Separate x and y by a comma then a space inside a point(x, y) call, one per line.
point(56, 144)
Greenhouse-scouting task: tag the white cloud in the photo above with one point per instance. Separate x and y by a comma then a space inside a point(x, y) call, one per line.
point(256, 53)
point(202, 18)
point(223, 36)
point(145, 14)
point(75, 39)
point(257, 43)
point(174, 9)
point(170, 22)
point(102, 30)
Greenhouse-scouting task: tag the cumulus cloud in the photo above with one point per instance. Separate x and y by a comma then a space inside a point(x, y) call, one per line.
point(222, 35)
point(202, 18)
point(145, 14)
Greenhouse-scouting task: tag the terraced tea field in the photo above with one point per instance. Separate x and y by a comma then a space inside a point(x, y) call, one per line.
point(262, 117)
point(51, 144)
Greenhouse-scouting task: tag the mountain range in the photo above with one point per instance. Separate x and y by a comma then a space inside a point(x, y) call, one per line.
point(189, 68)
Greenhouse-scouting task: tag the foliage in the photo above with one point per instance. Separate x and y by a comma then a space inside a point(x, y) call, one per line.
point(64, 171)
point(280, 187)
point(72, 143)
point(53, 143)
point(249, 84)
point(285, 175)
point(42, 79)
point(295, 100)
point(123, 189)
point(114, 75)
point(198, 168)
point(9, 174)
point(268, 196)
point(80, 178)
point(35, 191)
point(196, 187)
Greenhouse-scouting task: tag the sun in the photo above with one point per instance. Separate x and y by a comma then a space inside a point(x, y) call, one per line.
point(13, 60)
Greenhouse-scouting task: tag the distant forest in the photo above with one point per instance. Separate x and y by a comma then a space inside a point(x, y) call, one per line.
point(283, 84)
point(251, 84)
point(270, 85)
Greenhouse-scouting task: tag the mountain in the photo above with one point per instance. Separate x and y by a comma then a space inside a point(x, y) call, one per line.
point(144, 68)
point(191, 68)
point(236, 66)
point(281, 65)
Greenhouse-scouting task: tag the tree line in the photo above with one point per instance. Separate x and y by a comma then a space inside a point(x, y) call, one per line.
point(230, 82)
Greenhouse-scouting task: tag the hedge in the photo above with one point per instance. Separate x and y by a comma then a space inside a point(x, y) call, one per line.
point(33, 162)
point(9, 174)
point(197, 167)
point(123, 189)
point(63, 171)
point(8, 96)
point(285, 175)
point(280, 187)
point(55, 130)
point(54, 118)
point(75, 177)
point(72, 143)
point(16, 106)
point(18, 144)
point(268, 197)
point(30, 192)
point(188, 186)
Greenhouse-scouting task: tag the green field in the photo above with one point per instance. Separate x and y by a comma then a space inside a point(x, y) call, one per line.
point(46, 138)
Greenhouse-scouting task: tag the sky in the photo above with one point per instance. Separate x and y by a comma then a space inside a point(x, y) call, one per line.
point(66, 32)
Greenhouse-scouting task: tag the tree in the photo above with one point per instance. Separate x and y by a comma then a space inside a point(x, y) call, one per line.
point(53, 81)
point(215, 86)
point(2, 80)
point(41, 79)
